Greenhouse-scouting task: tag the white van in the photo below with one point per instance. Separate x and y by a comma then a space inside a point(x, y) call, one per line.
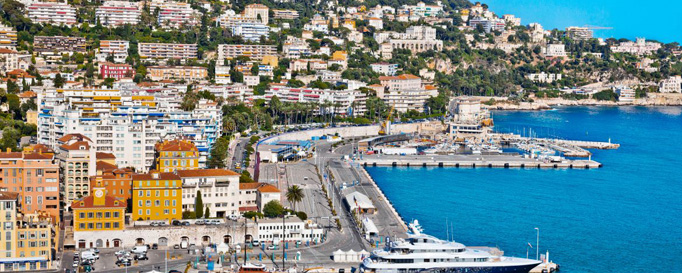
point(89, 255)
point(139, 249)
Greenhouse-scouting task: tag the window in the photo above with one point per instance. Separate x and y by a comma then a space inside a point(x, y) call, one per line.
point(90, 215)
point(107, 225)
point(81, 215)
point(116, 214)
point(115, 224)
point(107, 214)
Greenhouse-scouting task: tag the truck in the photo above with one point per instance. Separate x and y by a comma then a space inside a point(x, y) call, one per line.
point(139, 249)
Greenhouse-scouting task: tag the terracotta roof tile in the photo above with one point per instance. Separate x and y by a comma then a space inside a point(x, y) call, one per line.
point(109, 202)
point(206, 172)
point(162, 176)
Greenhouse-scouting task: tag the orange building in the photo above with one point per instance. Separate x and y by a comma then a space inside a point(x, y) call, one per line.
point(35, 176)
point(115, 182)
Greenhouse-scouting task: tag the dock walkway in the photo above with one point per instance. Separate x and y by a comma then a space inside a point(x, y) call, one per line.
point(474, 161)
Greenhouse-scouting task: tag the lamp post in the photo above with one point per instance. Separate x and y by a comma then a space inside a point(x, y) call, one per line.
point(284, 216)
point(537, 245)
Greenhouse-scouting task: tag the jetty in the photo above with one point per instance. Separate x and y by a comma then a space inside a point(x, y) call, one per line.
point(568, 148)
point(475, 161)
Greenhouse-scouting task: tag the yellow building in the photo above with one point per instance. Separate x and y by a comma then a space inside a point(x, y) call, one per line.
point(176, 155)
point(8, 207)
point(98, 212)
point(32, 117)
point(340, 55)
point(157, 196)
point(27, 244)
point(36, 239)
point(270, 60)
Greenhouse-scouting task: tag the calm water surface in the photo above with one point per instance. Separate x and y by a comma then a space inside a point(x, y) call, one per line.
point(626, 215)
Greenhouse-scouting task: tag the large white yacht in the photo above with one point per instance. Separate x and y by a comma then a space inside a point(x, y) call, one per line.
point(424, 253)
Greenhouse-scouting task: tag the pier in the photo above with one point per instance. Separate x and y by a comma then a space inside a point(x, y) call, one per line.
point(475, 161)
point(568, 148)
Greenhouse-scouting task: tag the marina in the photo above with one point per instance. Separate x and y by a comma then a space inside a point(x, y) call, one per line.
point(475, 161)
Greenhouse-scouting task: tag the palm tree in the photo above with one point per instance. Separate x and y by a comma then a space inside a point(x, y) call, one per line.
point(294, 195)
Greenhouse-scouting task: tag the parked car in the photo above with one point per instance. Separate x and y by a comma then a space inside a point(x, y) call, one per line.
point(255, 243)
point(95, 250)
point(141, 256)
point(271, 247)
point(123, 262)
point(176, 223)
point(75, 263)
point(233, 217)
point(200, 222)
point(155, 246)
point(185, 223)
point(162, 223)
point(176, 246)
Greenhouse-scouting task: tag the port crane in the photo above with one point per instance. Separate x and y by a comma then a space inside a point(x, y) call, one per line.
point(385, 125)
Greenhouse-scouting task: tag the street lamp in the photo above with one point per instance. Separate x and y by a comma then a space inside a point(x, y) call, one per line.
point(537, 245)
point(284, 216)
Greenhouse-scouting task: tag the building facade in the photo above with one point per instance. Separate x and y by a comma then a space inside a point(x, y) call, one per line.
point(35, 176)
point(157, 196)
point(167, 51)
point(256, 52)
point(187, 73)
point(115, 71)
point(177, 154)
point(219, 189)
point(52, 13)
point(118, 13)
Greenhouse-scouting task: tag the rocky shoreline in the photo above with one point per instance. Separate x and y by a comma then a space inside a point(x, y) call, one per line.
point(653, 99)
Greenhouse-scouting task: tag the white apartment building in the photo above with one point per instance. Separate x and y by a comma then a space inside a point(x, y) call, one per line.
point(340, 102)
point(222, 74)
point(116, 48)
point(287, 14)
point(9, 60)
point(125, 123)
point(256, 52)
point(296, 49)
point(118, 13)
point(544, 77)
point(8, 37)
point(405, 92)
point(511, 19)
point(579, 33)
point(175, 14)
point(386, 69)
point(251, 31)
point(488, 25)
point(251, 80)
point(219, 190)
point(52, 13)
point(167, 51)
point(639, 47)
point(253, 196)
point(236, 92)
point(555, 50)
point(318, 23)
point(625, 93)
point(230, 20)
point(292, 229)
point(671, 85)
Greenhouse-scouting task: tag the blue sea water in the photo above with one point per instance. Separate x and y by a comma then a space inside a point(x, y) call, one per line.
point(624, 217)
point(657, 20)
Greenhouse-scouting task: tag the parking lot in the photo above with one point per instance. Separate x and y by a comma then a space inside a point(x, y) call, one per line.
point(156, 260)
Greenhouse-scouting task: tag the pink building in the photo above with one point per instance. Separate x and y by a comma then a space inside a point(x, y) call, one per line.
point(35, 176)
point(116, 71)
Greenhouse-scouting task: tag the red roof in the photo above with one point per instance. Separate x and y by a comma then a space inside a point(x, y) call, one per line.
point(88, 202)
